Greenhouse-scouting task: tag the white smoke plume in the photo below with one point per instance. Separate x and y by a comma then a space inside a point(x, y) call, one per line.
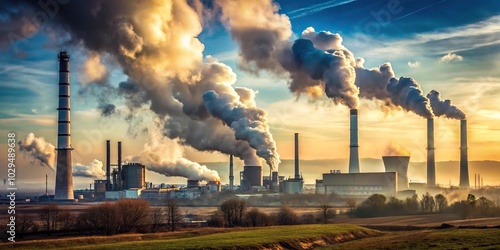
point(406, 93)
point(94, 169)
point(165, 157)
point(41, 151)
point(249, 123)
point(394, 149)
point(444, 107)
point(93, 70)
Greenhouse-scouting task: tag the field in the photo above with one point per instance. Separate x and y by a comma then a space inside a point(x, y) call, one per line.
point(290, 237)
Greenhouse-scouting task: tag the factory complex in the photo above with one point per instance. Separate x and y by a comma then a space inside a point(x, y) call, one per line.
point(129, 180)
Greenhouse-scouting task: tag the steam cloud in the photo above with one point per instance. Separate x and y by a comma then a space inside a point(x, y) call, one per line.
point(94, 169)
point(394, 149)
point(166, 157)
point(444, 107)
point(41, 151)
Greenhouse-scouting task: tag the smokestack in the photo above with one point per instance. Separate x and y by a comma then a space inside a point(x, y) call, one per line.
point(108, 166)
point(64, 177)
point(464, 162)
point(431, 161)
point(297, 172)
point(354, 155)
point(46, 185)
point(231, 174)
point(119, 156)
point(475, 181)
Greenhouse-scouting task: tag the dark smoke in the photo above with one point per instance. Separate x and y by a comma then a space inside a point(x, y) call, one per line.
point(406, 93)
point(444, 107)
point(107, 109)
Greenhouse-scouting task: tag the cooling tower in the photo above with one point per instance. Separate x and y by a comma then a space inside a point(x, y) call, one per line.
point(431, 162)
point(231, 173)
point(297, 171)
point(354, 155)
point(464, 162)
point(398, 164)
point(64, 169)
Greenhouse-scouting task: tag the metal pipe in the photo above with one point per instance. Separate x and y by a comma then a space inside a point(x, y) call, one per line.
point(297, 172)
point(231, 174)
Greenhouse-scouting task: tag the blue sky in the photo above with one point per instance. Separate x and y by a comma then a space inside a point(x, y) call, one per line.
point(413, 35)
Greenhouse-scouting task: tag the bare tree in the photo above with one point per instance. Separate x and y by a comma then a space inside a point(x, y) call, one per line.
point(256, 218)
point(351, 203)
point(174, 215)
point(286, 216)
point(427, 203)
point(49, 215)
point(156, 216)
point(66, 220)
point(24, 224)
point(232, 210)
point(106, 217)
point(326, 212)
point(441, 202)
point(132, 214)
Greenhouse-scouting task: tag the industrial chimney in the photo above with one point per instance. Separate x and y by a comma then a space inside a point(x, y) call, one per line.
point(354, 155)
point(297, 172)
point(119, 156)
point(431, 161)
point(64, 177)
point(231, 174)
point(108, 167)
point(464, 162)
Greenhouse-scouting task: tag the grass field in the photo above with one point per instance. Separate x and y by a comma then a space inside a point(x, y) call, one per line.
point(290, 237)
point(428, 239)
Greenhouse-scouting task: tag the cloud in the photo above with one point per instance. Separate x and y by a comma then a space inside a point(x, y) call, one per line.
point(316, 8)
point(415, 64)
point(451, 57)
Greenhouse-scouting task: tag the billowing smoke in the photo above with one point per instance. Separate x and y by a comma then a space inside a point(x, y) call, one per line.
point(107, 109)
point(93, 70)
point(94, 169)
point(394, 149)
point(166, 157)
point(41, 151)
point(332, 67)
point(249, 123)
point(406, 93)
point(156, 45)
point(444, 107)
point(261, 32)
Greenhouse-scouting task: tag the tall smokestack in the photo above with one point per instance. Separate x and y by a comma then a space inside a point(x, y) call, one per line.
point(231, 173)
point(297, 172)
point(431, 161)
point(108, 166)
point(64, 177)
point(354, 154)
point(119, 156)
point(464, 162)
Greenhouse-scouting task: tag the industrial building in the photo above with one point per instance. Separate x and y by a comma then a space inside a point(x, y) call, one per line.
point(358, 184)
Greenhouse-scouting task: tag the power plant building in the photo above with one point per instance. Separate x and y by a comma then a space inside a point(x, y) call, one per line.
point(134, 176)
point(358, 184)
point(398, 164)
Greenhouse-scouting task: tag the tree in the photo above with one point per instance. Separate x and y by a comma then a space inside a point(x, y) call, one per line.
point(441, 203)
point(427, 203)
point(484, 206)
point(395, 206)
point(351, 203)
point(256, 218)
point(106, 217)
point(326, 212)
point(412, 205)
point(24, 224)
point(156, 217)
point(66, 220)
point(132, 214)
point(49, 215)
point(232, 211)
point(286, 216)
point(372, 207)
point(174, 215)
